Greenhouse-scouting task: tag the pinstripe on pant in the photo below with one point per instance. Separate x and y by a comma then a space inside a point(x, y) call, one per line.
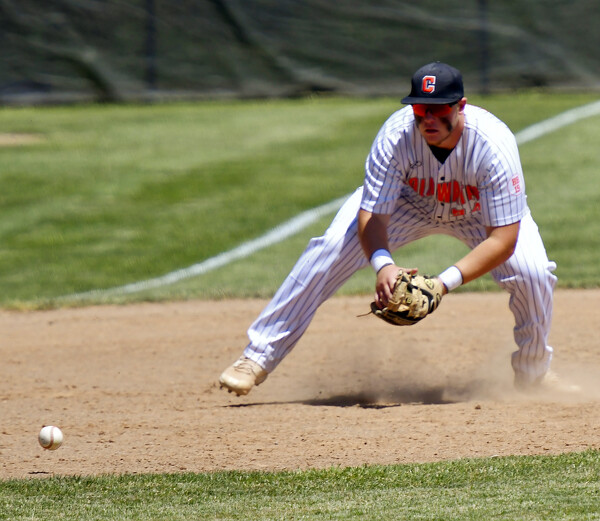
point(330, 260)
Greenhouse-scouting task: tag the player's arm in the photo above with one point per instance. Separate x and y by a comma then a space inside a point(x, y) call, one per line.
point(372, 232)
point(490, 253)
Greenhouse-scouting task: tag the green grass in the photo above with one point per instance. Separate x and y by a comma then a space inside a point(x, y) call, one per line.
point(118, 194)
point(561, 487)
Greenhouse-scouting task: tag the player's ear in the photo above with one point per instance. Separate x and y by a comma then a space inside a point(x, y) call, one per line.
point(461, 104)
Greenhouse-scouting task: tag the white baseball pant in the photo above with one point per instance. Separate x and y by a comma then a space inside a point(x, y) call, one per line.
point(330, 260)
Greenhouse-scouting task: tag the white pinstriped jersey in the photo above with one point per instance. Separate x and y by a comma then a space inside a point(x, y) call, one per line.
point(480, 182)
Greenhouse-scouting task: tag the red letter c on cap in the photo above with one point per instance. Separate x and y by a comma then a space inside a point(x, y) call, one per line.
point(428, 84)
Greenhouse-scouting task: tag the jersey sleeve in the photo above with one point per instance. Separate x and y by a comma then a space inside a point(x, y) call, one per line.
point(383, 178)
point(503, 199)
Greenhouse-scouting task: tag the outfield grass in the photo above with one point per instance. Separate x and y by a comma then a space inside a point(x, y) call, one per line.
point(118, 194)
point(553, 488)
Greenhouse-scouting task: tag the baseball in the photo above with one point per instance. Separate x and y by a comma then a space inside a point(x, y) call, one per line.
point(50, 437)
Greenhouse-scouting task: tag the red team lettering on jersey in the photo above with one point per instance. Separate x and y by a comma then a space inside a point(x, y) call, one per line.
point(449, 192)
point(516, 185)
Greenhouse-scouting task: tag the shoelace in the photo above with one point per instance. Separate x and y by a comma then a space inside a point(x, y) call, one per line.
point(245, 366)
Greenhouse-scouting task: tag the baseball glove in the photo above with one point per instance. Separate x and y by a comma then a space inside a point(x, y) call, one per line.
point(414, 297)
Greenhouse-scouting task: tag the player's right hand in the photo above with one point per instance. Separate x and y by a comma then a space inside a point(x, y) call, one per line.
point(386, 282)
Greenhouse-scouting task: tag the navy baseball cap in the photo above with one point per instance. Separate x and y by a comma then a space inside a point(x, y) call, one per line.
point(435, 83)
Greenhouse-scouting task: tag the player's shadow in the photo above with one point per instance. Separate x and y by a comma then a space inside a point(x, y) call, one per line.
point(394, 398)
point(435, 395)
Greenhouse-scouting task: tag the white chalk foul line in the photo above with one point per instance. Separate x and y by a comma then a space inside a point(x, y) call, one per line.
point(277, 234)
point(561, 120)
point(305, 219)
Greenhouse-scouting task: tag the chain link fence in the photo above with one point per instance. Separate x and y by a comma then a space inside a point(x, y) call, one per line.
point(139, 50)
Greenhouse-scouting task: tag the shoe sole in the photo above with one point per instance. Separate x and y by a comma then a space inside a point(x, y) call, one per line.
point(234, 390)
point(238, 391)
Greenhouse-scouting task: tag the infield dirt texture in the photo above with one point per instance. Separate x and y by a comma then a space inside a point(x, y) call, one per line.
point(134, 388)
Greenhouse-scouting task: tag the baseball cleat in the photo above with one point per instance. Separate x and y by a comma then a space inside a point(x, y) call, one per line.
point(549, 382)
point(242, 375)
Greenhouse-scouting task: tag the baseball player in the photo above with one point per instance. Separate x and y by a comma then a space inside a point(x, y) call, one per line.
point(437, 166)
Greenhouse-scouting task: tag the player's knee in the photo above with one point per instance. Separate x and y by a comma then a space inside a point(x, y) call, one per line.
point(543, 275)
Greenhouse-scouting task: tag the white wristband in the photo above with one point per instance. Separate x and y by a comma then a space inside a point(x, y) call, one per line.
point(452, 278)
point(381, 258)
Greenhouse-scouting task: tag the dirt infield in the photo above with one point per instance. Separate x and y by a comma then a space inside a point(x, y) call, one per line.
point(13, 140)
point(134, 388)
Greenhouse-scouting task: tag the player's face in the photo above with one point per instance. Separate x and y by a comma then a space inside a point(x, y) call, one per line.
point(440, 125)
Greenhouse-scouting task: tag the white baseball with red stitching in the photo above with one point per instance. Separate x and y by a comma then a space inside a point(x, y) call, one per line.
point(50, 437)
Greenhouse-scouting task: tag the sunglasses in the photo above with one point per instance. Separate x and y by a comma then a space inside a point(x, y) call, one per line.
point(438, 111)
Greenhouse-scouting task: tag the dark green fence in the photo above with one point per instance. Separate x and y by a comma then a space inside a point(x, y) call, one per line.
point(65, 50)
